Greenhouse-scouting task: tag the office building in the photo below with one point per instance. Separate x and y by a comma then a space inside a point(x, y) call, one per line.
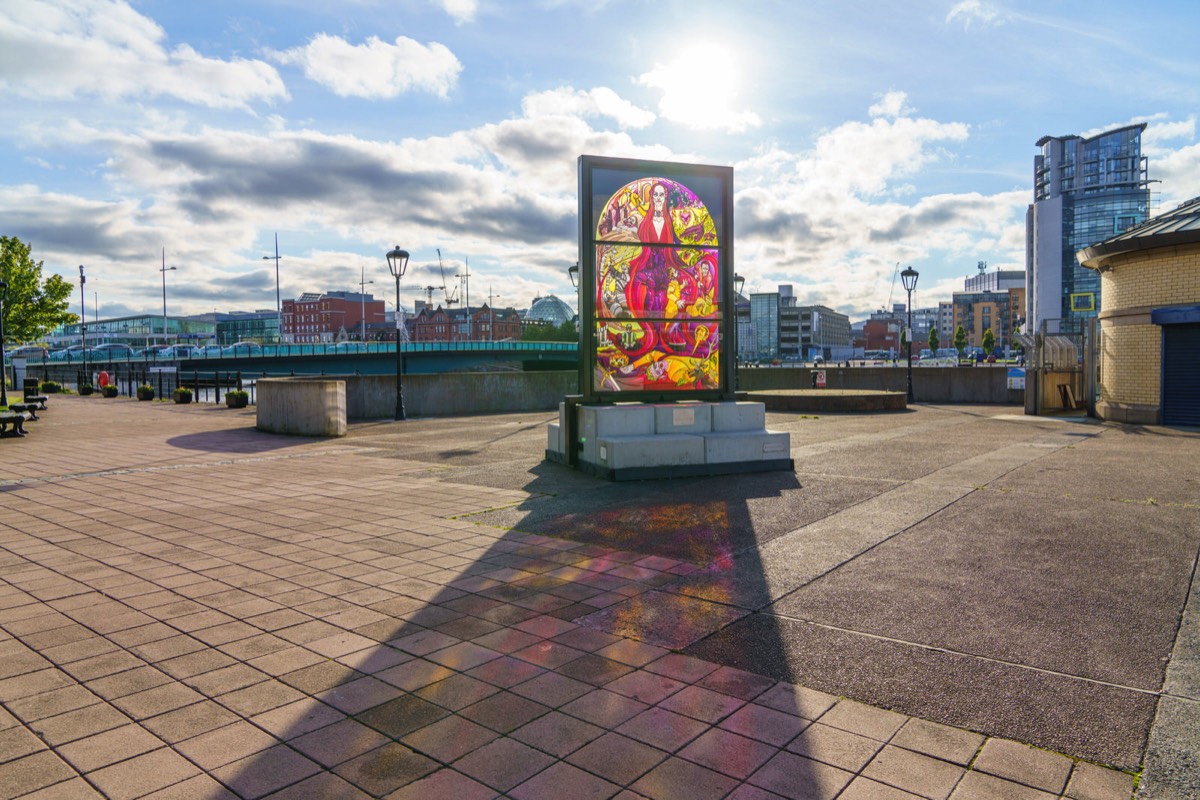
point(1085, 191)
point(781, 328)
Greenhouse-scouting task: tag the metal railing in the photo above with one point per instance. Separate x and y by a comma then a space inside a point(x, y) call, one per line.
point(318, 349)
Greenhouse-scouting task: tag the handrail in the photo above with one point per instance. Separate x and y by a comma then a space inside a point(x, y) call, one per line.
point(323, 349)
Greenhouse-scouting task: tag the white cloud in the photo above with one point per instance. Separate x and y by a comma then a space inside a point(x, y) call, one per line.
point(832, 219)
point(975, 11)
point(66, 49)
point(461, 10)
point(375, 69)
point(893, 104)
point(597, 102)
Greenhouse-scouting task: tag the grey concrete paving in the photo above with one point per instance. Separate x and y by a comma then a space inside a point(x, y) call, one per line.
point(189, 608)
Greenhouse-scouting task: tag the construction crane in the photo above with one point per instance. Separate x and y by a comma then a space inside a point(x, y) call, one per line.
point(451, 299)
point(892, 291)
point(429, 290)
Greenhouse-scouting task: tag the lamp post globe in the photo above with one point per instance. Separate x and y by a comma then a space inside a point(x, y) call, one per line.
point(398, 262)
point(909, 278)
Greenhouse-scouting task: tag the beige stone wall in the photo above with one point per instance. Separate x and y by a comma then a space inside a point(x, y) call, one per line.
point(1130, 364)
point(1131, 347)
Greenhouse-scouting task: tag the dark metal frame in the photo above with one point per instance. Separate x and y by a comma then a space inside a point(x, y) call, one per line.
point(689, 175)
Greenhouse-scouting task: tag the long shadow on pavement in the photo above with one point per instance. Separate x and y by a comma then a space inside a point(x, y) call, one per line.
point(544, 667)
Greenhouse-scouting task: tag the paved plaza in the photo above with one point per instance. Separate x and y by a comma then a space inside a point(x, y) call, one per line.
point(948, 602)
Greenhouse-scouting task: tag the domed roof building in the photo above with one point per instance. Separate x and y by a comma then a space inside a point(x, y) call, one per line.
point(550, 310)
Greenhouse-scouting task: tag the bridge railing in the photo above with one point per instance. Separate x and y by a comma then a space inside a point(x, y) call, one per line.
point(317, 349)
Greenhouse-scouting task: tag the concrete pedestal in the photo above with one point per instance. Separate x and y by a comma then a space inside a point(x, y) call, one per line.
point(635, 441)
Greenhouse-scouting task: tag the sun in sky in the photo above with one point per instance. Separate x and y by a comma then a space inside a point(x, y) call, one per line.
point(700, 89)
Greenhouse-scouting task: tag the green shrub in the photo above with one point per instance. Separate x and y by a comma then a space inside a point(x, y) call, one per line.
point(51, 387)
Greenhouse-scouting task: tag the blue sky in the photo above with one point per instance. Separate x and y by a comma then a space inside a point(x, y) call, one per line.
point(862, 135)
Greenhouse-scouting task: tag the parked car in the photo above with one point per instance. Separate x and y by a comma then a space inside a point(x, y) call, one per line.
point(151, 353)
point(112, 350)
point(209, 351)
point(177, 351)
point(73, 353)
point(243, 349)
point(32, 352)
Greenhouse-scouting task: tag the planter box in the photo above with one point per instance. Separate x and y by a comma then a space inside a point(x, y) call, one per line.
point(182, 399)
point(109, 391)
point(143, 394)
point(83, 390)
point(236, 402)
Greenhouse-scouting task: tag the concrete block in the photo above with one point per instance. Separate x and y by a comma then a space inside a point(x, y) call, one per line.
point(302, 406)
point(623, 452)
point(739, 416)
point(554, 439)
point(693, 418)
point(634, 419)
point(759, 445)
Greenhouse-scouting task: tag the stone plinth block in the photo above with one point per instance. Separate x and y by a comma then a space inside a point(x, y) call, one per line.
point(746, 446)
point(739, 416)
point(622, 452)
point(692, 418)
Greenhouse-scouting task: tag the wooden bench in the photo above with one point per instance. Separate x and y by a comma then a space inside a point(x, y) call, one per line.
point(29, 408)
point(15, 420)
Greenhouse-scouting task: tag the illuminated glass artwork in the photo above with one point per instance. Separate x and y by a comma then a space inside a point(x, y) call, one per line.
point(657, 290)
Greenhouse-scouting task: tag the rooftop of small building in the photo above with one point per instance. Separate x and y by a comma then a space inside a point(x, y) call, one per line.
point(1179, 226)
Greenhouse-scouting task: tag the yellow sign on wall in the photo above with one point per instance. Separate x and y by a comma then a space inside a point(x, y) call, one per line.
point(1083, 301)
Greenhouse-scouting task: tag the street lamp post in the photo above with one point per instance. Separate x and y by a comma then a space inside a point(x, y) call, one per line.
point(398, 262)
point(362, 295)
point(164, 270)
point(83, 323)
point(3, 369)
point(909, 278)
point(278, 303)
point(738, 283)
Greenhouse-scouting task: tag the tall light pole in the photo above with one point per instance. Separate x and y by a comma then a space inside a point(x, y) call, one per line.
point(466, 277)
point(398, 262)
point(738, 283)
point(362, 295)
point(909, 278)
point(164, 270)
point(83, 321)
point(278, 302)
point(3, 369)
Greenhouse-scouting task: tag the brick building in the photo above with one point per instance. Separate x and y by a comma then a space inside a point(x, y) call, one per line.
point(482, 324)
point(1150, 319)
point(329, 317)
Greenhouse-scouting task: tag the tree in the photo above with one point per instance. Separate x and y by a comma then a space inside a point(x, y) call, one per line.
point(989, 341)
point(933, 340)
point(903, 339)
point(33, 307)
point(960, 340)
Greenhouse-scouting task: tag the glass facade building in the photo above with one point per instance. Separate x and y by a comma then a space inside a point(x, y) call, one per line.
point(1085, 191)
point(139, 331)
point(764, 325)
